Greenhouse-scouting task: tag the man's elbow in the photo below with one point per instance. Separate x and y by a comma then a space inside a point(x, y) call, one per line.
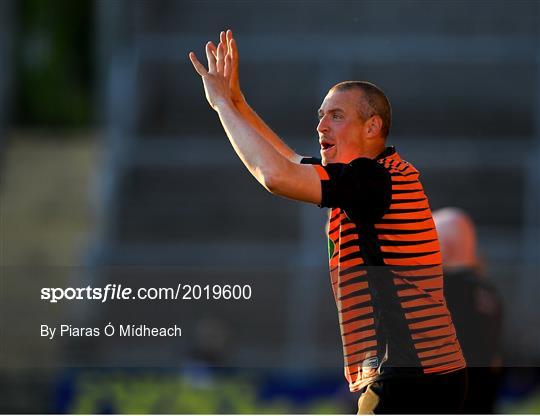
point(273, 182)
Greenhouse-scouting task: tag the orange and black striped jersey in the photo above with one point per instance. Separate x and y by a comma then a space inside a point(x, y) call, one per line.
point(386, 271)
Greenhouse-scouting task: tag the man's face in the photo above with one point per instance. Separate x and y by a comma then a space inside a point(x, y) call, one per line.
point(341, 131)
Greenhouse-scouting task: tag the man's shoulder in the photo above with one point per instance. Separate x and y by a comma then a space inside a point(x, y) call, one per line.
point(395, 164)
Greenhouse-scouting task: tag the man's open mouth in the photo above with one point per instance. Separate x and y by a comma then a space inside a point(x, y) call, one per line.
point(326, 146)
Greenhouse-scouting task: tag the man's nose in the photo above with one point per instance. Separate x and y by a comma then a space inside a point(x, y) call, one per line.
point(322, 127)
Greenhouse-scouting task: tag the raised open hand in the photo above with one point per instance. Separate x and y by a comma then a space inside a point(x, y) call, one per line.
point(216, 79)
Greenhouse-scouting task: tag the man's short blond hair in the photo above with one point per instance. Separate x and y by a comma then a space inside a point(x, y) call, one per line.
point(374, 102)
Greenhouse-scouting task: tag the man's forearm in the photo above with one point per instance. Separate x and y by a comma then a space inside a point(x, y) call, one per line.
point(257, 152)
point(265, 131)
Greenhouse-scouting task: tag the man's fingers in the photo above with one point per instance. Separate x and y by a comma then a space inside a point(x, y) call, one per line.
point(201, 70)
point(228, 64)
point(220, 57)
point(224, 50)
point(227, 41)
point(222, 38)
point(212, 48)
point(234, 54)
point(231, 47)
point(229, 35)
point(210, 57)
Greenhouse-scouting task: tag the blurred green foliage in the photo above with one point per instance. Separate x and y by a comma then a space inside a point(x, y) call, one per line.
point(54, 63)
point(136, 393)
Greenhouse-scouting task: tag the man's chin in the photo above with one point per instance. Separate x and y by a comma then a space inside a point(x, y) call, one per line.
point(325, 160)
point(328, 156)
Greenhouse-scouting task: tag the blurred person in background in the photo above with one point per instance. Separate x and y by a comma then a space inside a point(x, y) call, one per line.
point(399, 343)
point(475, 306)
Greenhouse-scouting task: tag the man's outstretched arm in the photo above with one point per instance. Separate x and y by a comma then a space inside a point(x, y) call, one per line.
point(275, 171)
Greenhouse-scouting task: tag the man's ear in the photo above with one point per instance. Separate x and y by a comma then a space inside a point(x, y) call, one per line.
point(374, 125)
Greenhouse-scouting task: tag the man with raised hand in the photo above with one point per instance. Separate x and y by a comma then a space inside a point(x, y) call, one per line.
point(400, 348)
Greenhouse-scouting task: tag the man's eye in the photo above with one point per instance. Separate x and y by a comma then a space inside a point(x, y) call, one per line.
point(336, 116)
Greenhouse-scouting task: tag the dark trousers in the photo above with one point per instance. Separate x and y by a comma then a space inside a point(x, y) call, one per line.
point(433, 394)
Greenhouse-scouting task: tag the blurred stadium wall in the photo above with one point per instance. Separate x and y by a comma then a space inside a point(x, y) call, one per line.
point(110, 156)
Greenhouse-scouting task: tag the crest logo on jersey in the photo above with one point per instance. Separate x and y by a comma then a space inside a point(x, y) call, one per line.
point(331, 248)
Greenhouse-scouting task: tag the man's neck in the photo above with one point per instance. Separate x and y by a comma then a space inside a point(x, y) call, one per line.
point(373, 151)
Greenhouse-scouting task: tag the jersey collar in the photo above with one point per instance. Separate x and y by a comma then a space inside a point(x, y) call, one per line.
point(388, 151)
